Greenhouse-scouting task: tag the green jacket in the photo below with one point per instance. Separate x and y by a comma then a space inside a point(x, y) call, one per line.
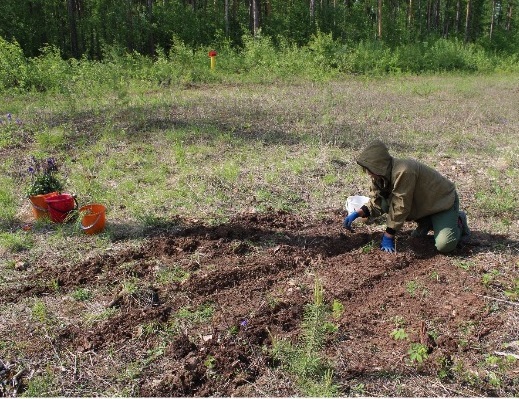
point(406, 189)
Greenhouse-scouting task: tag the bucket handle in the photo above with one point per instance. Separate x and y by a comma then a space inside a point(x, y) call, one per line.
point(93, 224)
point(39, 208)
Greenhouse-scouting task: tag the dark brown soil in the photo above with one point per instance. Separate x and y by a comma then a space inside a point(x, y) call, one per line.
point(256, 274)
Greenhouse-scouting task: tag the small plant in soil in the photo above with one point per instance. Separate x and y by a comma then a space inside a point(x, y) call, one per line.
point(366, 249)
point(81, 294)
point(513, 292)
point(411, 287)
point(39, 311)
point(488, 278)
point(399, 321)
point(463, 264)
point(417, 353)
point(337, 309)
point(399, 334)
point(42, 385)
point(314, 375)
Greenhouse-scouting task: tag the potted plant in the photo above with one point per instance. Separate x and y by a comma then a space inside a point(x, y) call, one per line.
point(44, 183)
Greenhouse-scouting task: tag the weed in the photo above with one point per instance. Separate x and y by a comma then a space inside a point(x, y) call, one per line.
point(366, 249)
point(103, 315)
point(233, 330)
point(81, 294)
point(444, 367)
point(54, 285)
point(39, 311)
point(463, 264)
point(210, 362)
point(172, 275)
point(435, 276)
point(129, 287)
point(131, 372)
point(43, 385)
point(337, 309)
point(494, 380)
point(358, 390)
point(417, 353)
point(411, 287)
point(200, 315)
point(507, 203)
point(272, 301)
point(399, 334)
point(399, 321)
point(488, 278)
point(513, 292)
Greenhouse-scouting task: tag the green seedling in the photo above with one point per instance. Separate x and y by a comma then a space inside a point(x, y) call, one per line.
point(411, 288)
point(488, 278)
point(366, 249)
point(513, 292)
point(399, 334)
point(337, 309)
point(417, 353)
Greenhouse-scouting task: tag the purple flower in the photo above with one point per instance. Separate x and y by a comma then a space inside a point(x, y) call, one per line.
point(243, 323)
point(9, 117)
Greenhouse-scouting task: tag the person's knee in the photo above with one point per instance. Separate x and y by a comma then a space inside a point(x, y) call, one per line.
point(446, 241)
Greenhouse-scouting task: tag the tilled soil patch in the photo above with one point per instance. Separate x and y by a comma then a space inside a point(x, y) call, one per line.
point(194, 312)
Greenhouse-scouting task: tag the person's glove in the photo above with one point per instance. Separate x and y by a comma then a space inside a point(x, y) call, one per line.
point(348, 220)
point(387, 244)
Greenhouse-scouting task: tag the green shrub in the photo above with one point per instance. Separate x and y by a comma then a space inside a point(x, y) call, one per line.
point(13, 65)
point(49, 72)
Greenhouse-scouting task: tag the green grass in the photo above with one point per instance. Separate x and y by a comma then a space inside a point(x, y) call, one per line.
point(210, 151)
point(16, 242)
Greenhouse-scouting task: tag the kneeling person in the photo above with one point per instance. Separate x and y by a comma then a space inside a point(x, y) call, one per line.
point(405, 189)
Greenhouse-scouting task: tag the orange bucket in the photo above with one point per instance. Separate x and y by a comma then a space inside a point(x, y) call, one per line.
point(40, 209)
point(93, 218)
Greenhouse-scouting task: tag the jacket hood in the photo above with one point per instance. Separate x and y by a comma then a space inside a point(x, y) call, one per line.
point(375, 157)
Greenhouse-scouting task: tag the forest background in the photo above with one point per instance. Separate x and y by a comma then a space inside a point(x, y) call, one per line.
point(169, 39)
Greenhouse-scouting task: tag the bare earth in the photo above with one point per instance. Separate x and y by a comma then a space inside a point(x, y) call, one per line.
point(257, 273)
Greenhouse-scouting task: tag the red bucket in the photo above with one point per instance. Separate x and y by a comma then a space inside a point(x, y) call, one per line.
point(60, 206)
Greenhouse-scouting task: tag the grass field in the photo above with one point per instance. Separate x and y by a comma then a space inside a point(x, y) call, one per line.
point(163, 157)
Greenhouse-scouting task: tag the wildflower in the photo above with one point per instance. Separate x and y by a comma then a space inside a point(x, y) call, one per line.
point(9, 117)
point(43, 177)
point(243, 323)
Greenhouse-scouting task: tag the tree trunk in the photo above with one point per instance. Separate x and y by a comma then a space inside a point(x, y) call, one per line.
point(458, 16)
point(446, 19)
point(254, 6)
point(492, 20)
point(509, 16)
point(71, 8)
point(379, 17)
point(226, 6)
point(312, 11)
point(467, 21)
point(151, 43)
point(410, 15)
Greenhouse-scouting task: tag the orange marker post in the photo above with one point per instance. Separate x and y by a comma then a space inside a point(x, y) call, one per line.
point(212, 55)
